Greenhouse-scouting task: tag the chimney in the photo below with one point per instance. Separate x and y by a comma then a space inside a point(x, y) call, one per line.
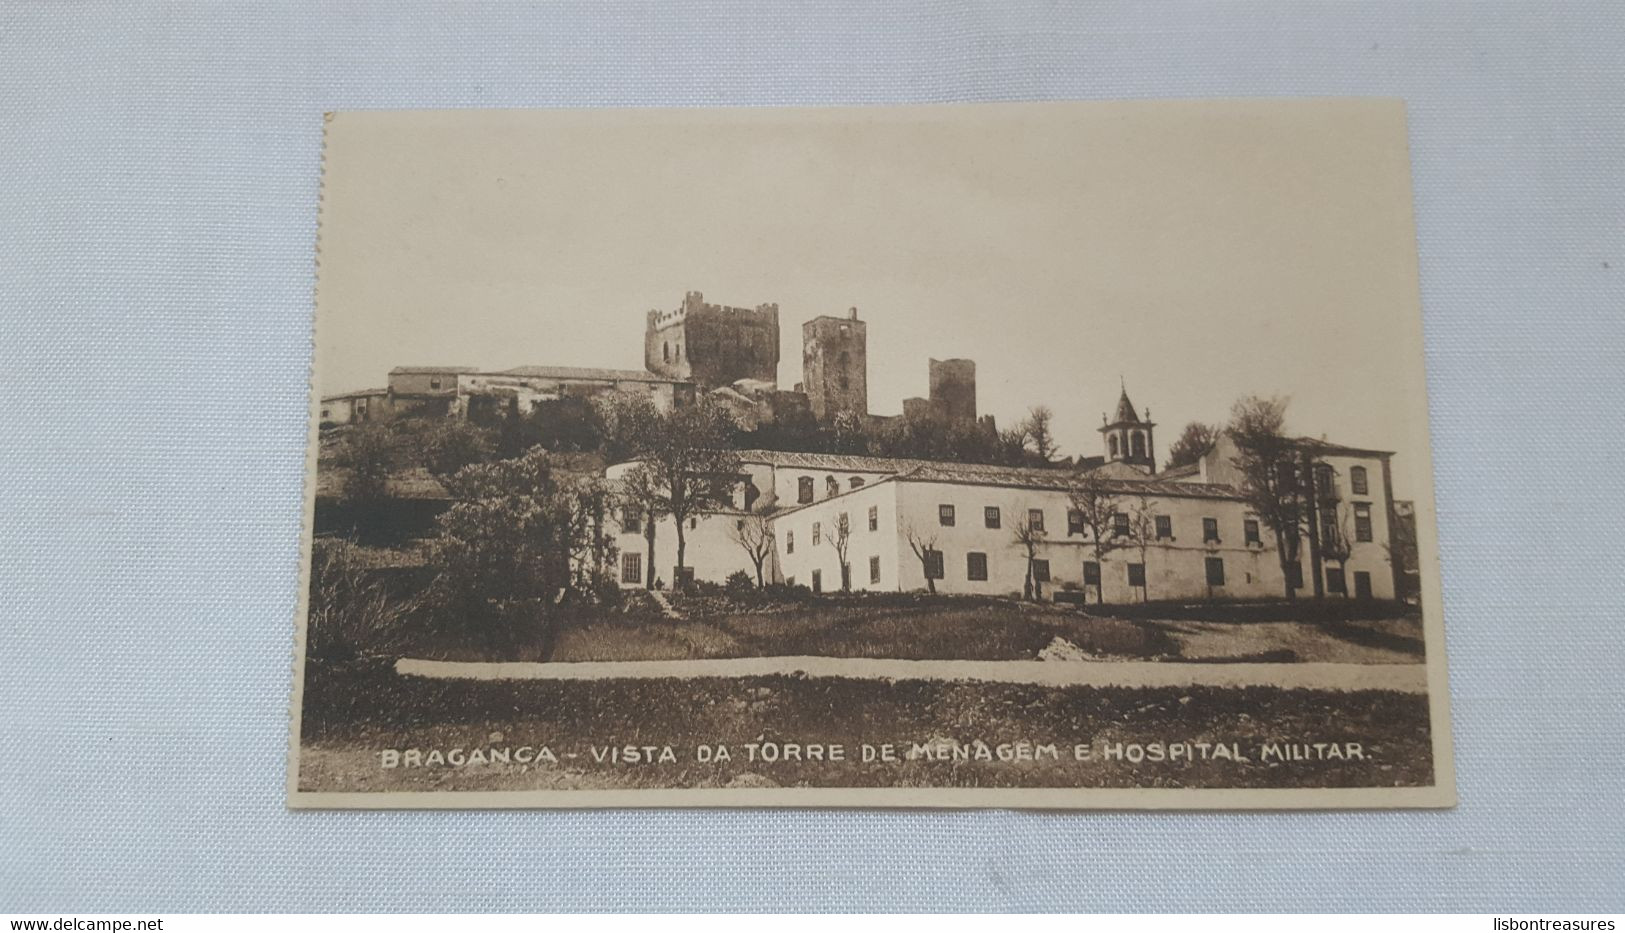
point(854, 314)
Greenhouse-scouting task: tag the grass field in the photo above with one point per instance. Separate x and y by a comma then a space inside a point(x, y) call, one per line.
point(354, 715)
point(923, 627)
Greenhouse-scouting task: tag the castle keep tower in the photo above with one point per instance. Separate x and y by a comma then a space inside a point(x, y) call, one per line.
point(713, 345)
point(953, 389)
point(835, 365)
point(1128, 438)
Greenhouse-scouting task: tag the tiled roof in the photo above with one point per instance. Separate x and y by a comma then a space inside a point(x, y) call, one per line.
point(848, 463)
point(1189, 469)
point(359, 393)
point(1060, 480)
point(978, 474)
point(1322, 446)
point(583, 373)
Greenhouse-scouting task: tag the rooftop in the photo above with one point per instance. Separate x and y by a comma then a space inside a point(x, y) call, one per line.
point(583, 373)
point(414, 370)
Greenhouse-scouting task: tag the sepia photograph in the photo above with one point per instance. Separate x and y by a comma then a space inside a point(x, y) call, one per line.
point(1018, 455)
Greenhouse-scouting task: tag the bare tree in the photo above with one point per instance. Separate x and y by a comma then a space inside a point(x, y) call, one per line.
point(923, 544)
point(1094, 500)
point(1142, 528)
point(640, 493)
point(1268, 463)
point(1336, 543)
point(754, 533)
point(1040, 433)
point(840, 538)
point(1030, 537)
point(1193, 443)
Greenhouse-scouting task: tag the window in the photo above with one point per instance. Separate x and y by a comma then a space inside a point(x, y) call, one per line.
point(855, 482)
point(975, 566)
point(1111, 444)
point(694, 522)
point(665, 351)
point(1040, 571)
point(874, 518)
point(1210, 530)
point(804, 489)
point(1136, 575)
point(1035, 519)
point(1137, 443)
point(1119, 524)
point(1328, 525)
point(1165, 526)
point(1334, 580)
point(1249, 530)
point(789, 542)
point(832, 486)
point(1215, 571)
point(1074, 522)
point(1362, 584)
point(933, 564)
point(991, 517)
point(434, 383)
point(631, 568)
point(632, 521)
point(818, 581)
point(1294, 576)
point(1362, 521)
point(1358, 483)
point(818, 533)
point(1323, 479)
point(874, 570)
point(326, 414)
point(945, 515)
point(1091, 573)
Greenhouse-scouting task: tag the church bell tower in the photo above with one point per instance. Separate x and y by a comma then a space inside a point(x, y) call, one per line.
point(1128, 438)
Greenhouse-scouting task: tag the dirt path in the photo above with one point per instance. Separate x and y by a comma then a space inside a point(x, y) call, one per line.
point(1406, 678)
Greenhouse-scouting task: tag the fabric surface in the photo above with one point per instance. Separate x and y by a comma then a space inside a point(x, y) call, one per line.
point(159, 172)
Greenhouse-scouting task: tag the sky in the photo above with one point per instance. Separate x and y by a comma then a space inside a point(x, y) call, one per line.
point(1196, 251)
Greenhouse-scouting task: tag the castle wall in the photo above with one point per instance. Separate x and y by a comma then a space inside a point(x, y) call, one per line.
point(713, 345)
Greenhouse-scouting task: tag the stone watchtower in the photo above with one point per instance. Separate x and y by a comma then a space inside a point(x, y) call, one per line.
point(1128, 437)
point(835, 365)
point(953, 389)
point(713, 345)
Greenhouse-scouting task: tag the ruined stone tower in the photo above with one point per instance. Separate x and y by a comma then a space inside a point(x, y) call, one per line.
point(835, 365)
point(953, 389)
point(713, 345)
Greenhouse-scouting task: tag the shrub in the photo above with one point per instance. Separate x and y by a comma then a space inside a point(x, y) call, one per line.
point(739, 582)
point(352, 615)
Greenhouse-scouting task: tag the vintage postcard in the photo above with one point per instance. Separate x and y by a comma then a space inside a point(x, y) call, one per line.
point(1028, 455)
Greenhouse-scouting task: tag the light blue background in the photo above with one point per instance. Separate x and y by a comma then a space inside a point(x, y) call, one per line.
point(159, 167)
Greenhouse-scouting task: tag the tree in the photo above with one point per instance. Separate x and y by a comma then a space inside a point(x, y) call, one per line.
point(639, 492)
point(1268, 463)
point(453, 443)
point(516, 548)
point(623, 423)
point(1029, 537)
point(754, 533)
point(693, 465)
point(1193, 443)
point(923, 544)
point(1040, 433)
point(847, 434)
point(370, 455)
point(1336, 543)
point(1093, 499)
point(1142, 527)
point(840, 538)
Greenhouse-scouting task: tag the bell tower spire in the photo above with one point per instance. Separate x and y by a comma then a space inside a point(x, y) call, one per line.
point(1129, 438)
